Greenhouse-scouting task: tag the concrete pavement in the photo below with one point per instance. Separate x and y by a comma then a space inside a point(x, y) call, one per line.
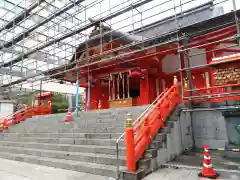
point(185, 174)
point(14, 170)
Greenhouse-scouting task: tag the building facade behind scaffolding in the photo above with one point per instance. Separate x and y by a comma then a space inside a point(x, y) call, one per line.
point(37, 37)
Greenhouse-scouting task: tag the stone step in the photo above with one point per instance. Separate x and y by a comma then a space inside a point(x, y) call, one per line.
point(82, 130)
point(93, 115)
point(93, 168)
point(121, 112)
point(76, 141)
point(65, 135)
point(101, 129)
point(83, 120)
point(75, 156)
point(111, 150)
point(112, 121)
point(96, 127)
point(160, 137)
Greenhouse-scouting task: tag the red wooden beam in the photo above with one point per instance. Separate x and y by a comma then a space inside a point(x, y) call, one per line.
point(215, 33)
point(204, 42)
point(228, 50)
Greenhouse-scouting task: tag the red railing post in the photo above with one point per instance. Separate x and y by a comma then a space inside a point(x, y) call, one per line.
point(130, 148)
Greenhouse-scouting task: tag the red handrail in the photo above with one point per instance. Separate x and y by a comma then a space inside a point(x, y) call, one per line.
point(22, 114)
point(214, 87)
point(214, 94)
point(139, 137)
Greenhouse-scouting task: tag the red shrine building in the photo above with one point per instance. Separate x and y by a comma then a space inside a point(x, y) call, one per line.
point(199, 48)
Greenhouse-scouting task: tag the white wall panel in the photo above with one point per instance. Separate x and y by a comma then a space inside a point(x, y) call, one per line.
point(170, 63)
point(221, 46)
point(197, 57)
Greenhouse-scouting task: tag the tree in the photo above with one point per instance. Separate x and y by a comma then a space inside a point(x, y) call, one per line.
point(59, 103)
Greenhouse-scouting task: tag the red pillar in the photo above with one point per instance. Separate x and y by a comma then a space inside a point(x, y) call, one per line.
point(144, 91)
point(93, 98)
point(95, 93)
point(104, 95)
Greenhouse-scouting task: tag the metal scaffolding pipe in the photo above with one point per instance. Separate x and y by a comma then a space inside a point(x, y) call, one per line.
point(109, 88)
point(21, 17)
point(236, 18)
point(40, 94)
point(210, 109)
point(195, 34)
point(113, 15)
point(137, 44)
point(128, 85)
point(118, 86)
point(123, 84)
point(158, 53)
point(28, 32)
point(210, 96)
point(45, 72)
point(114, 88)
point(146, 40)
point(24, 79)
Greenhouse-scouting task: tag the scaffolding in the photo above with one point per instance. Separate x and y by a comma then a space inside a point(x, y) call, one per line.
point(38, 37)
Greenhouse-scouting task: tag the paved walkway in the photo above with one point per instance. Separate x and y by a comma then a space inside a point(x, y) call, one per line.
point(185, 174)
point(13, 170)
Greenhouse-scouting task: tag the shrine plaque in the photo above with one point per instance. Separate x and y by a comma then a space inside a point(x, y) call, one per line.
point(118, 103)
point(227, 74)
point(226, 69)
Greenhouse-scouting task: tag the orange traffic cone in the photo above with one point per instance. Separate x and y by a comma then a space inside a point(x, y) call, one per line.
point(207, 170)
point(69, 116)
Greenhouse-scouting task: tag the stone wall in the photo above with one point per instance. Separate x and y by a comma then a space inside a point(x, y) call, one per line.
point(186, 131)
point(209, 127)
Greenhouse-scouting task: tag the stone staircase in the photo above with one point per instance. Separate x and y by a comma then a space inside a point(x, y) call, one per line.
point(88, 144)
point(165, 146)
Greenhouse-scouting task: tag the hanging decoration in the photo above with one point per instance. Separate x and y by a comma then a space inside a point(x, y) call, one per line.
point(136, 74)
point(84, 84)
